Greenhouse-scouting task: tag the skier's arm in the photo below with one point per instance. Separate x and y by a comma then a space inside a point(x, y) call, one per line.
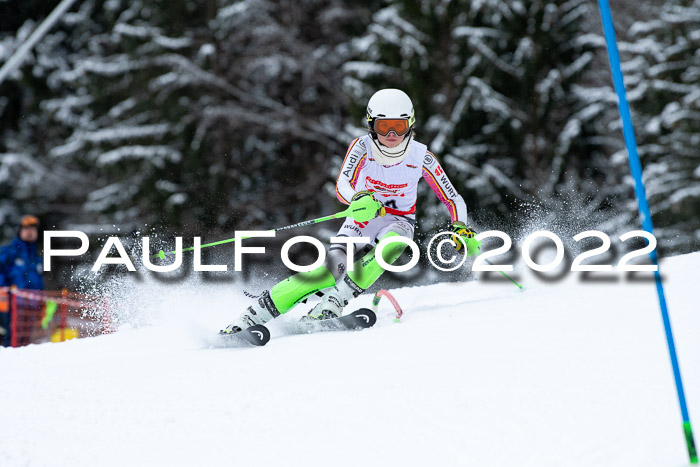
point(349, 171)
point(443, 188)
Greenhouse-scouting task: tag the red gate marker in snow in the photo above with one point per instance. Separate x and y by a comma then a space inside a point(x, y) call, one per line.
point(385, 293)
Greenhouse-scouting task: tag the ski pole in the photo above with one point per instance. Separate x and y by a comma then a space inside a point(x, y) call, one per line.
point(506, 275)
point(161, 254)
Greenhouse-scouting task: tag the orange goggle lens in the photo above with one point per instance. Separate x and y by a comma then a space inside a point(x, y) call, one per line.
point(398, 125)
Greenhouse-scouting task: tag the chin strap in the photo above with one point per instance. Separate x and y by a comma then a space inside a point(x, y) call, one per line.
point(386, 154)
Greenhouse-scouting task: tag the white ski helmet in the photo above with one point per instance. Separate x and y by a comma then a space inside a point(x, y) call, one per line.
point(390, 110)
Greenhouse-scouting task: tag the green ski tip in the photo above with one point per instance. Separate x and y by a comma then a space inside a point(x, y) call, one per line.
point(161, 254)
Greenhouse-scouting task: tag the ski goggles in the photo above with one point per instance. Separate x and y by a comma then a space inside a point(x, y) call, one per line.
point(383, 126)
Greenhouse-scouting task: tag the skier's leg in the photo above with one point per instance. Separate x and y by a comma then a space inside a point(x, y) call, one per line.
point(365, 272)
point(286, 294)
point(289, 292)
point(337, 257)
point(283, 297)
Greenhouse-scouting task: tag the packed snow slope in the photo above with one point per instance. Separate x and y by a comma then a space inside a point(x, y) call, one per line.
point(567, 373)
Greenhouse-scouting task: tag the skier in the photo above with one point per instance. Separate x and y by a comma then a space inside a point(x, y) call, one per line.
point(380, 173)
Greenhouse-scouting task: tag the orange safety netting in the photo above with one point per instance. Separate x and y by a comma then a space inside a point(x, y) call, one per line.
point(37, 316)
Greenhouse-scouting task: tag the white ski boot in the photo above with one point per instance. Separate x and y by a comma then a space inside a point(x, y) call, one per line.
point(333, 302)
point(260, 312)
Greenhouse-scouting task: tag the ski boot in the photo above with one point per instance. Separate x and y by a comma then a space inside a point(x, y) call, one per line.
point(332, 304)
point(259, 313)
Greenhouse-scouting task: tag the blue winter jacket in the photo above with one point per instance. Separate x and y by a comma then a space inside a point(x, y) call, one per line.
point(20, 265)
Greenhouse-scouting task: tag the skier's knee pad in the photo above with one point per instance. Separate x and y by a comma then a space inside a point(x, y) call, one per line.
point(367, 270)
point(296, 288)
point(337, 258)
point(335, 262)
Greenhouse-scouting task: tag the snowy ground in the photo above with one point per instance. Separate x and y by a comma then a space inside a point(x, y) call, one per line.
point(564, 374)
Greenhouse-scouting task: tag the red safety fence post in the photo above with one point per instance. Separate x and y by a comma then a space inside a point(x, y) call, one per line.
point(5, 309)
point(13, 316)
point(64, 314)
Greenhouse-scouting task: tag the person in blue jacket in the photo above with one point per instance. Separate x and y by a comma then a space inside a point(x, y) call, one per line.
point(21, 265)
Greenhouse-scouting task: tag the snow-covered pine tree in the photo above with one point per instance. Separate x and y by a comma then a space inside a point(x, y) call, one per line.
point(499, 89)
point(206, 114)
point(30, 181)
point(661, 64)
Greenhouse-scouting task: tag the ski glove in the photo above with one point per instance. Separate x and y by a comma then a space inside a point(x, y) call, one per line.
point(464, 236)
point(365, 207)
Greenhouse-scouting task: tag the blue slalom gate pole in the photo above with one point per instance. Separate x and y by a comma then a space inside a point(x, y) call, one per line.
point(644, 212)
